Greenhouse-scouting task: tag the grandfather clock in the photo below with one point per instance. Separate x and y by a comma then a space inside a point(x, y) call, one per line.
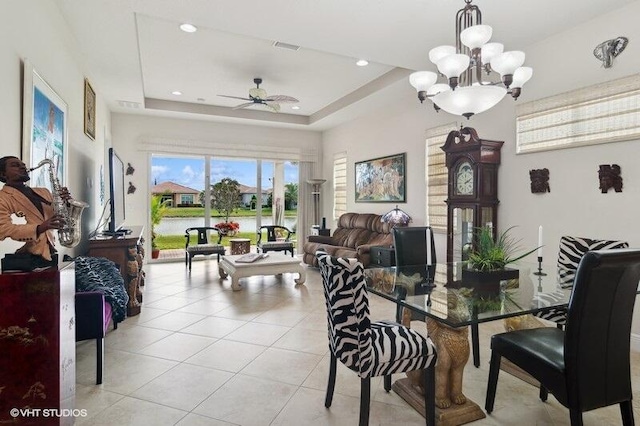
point(472, 201)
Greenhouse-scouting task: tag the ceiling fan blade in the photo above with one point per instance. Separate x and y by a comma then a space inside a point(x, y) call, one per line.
point(272, 107)
point(281, 99)
point(243, 105)
point(235, 97)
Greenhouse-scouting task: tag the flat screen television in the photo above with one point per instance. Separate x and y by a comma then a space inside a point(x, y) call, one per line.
point(117, 193)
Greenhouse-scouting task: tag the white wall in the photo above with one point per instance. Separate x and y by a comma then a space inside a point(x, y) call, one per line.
point(35, 30)
point(136, 136)
point(575, 205)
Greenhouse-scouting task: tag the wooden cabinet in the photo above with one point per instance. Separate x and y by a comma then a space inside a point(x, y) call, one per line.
point(38, 347)
point(126, 251)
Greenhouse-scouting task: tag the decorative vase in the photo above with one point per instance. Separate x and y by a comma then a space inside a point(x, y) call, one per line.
point(487, 280)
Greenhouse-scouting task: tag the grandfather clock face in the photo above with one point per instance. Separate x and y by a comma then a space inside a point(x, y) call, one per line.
point(464, 179)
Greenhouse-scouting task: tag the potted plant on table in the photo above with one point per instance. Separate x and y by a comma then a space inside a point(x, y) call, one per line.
point(158, 209)
point(228, 229)
point(486, 265)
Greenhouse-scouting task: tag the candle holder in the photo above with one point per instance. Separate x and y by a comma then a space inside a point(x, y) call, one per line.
point(539, 271)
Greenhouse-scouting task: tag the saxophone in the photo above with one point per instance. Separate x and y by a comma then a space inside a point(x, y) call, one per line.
point(71, 210)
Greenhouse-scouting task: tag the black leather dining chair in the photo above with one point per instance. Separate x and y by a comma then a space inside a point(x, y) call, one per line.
point(412, 245)
point(587, 365)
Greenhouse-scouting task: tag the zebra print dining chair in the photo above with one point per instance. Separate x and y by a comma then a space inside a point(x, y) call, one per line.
point(572, 249)
point(368, 348)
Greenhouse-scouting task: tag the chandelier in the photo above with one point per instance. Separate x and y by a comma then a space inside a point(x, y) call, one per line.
point(470, 68)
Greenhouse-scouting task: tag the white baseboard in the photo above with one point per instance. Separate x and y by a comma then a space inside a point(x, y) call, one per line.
point(635, 342)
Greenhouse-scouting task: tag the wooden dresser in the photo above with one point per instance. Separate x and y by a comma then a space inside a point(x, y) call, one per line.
point(126, 251)
point(38, 347)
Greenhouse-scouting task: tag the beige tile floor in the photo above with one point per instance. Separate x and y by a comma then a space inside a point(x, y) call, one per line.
point(201, 354)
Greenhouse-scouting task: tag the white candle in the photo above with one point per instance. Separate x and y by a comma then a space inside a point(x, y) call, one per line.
point(540, 241)
point(428, 246)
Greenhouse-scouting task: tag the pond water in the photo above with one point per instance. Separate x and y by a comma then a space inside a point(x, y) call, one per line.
point(177, 225)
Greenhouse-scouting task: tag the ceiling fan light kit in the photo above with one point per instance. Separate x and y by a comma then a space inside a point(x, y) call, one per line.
point(466, 91)
point(258, 96)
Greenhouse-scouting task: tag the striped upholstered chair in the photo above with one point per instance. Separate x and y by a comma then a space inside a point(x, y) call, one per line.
point(369, 348)
point(572, 249)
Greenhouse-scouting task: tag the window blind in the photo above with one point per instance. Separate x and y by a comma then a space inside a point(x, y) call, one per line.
point(436, 176)
point(602, 113)
point(339, 185)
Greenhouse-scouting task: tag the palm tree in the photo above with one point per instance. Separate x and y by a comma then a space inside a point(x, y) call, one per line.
point(158, 209)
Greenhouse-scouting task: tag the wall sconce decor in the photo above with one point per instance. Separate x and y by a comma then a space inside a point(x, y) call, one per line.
point(609, 175)
point(131, 188)
point(130, 169)
point(607, 50)
point(397, 217)
point(539, 180)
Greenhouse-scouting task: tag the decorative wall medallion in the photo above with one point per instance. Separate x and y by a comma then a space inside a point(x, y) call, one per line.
point(610, 177)
point(539, 180)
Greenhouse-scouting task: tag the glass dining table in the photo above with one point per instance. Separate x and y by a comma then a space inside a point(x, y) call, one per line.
point(451, 299)
point(443, 293)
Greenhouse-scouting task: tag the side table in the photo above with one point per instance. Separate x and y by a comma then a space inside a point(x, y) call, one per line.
point(240, 245)
point(383, 256)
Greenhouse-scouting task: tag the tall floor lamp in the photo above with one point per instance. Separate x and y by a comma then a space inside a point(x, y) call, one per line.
point(316, 184)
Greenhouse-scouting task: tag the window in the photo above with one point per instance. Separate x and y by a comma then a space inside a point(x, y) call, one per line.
point(186, 198)
point(437, 176)
point(168, 198)
point(602, 113)
point(339, 184)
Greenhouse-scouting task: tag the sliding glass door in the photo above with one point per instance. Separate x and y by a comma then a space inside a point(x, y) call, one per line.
point(191, 190)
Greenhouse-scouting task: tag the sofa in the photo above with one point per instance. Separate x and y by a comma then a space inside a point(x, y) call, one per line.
point(354, 236)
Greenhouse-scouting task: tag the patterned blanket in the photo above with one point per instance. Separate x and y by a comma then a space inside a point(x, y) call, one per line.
point(101, 274)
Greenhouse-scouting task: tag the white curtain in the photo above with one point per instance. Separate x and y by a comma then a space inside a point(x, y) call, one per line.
point(305, 203)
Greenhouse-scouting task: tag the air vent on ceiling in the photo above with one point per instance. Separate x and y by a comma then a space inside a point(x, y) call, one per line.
point(129, 104)
point(285, 45)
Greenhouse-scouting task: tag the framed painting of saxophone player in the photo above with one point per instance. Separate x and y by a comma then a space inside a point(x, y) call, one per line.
point(89, 110)
point(44, 128)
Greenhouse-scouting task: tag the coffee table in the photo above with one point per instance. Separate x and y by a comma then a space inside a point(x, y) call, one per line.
point(273, 264)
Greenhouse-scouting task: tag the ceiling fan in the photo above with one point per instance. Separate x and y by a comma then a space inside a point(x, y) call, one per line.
point(258, 96)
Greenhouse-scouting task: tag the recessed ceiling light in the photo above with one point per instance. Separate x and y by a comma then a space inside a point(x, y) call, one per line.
point(295, 107)
point(176, 92)
point(188, 28)
point(362, 63)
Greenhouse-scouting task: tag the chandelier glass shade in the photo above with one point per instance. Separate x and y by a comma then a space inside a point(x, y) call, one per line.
point(470, 68)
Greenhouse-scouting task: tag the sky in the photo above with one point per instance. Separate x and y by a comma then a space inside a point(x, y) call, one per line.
point(190, 171)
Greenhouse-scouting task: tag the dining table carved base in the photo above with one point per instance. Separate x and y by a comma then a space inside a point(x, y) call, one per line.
point(452, 346)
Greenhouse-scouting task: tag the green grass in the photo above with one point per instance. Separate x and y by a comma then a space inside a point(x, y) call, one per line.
point(167, 242)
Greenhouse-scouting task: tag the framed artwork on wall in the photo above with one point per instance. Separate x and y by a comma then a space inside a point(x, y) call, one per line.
point(44, 128)
point(89, 110)
point(381, 180)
